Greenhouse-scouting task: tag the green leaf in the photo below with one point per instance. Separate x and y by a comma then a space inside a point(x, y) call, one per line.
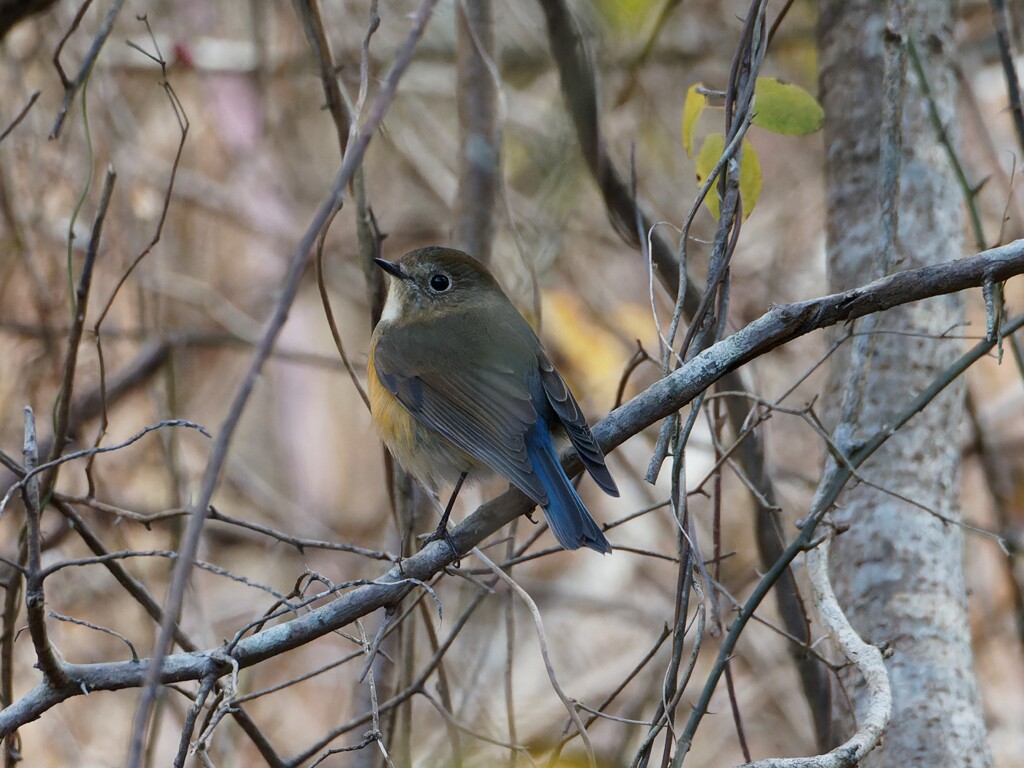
point(750, 173)
point(710, 151)
point(693, 106)
point(750, 178)
point(785, 108)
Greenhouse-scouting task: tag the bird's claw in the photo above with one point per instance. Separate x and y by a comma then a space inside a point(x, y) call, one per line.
point(442, 534)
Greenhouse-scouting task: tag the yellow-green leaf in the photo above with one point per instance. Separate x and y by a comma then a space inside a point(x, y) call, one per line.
point(750, 173)
point(627, 17)
point(710, 151)
point(750, 178)
point(785, 108)
point(692, 109)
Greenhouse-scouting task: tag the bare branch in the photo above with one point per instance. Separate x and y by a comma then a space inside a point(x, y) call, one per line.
point(32, 473)
point(62, 410)
point(297, 266)
point(35, 599)
point(837, 474)
point(868, 660)
point(568, 703)
point(71, 87)
point(476, 94)
point(20, 116)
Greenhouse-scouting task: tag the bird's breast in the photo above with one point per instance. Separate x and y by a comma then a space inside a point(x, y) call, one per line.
point(427, 455)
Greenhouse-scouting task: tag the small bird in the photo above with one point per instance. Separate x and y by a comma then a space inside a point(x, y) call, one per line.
point(460, 383)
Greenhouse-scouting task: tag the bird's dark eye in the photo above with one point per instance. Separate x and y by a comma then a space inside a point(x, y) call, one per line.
point(440, 282)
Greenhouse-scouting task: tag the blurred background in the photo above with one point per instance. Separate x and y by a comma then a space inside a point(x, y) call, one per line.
point(259, 157)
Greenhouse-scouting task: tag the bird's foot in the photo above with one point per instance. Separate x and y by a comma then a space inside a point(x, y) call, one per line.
point(442, 534)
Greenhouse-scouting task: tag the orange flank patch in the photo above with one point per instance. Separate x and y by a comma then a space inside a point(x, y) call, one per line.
point(394, 422)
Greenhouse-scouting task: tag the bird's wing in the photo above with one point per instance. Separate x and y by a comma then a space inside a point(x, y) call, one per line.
point(484, 410)
point(576, 427)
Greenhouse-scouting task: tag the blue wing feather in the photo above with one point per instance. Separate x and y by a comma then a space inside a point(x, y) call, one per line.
point(560, 398)
point(568, 518)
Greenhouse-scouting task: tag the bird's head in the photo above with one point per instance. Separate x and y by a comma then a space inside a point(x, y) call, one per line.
point(435, 281)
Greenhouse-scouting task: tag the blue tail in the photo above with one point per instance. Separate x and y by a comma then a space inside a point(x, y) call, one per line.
point(568, 519)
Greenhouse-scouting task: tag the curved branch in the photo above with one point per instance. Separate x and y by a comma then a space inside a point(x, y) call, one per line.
point(868, 660)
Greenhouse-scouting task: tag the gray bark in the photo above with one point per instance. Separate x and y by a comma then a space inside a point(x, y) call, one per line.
point(898, 570)
point(477, 97)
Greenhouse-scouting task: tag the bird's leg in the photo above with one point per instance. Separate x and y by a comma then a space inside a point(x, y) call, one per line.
point(442, 528)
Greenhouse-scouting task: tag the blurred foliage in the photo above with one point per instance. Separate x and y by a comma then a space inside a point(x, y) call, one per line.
point(628, 17)
point(258, 159)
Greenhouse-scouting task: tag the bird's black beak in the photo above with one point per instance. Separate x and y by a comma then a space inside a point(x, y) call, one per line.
point(392, 268)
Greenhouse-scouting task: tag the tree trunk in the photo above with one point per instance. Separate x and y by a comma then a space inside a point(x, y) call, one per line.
point(898, 569)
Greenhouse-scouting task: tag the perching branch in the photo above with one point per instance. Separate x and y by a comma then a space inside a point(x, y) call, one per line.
point(780, 324)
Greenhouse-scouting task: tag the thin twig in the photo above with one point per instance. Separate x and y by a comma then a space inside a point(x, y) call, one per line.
point(35, 471)
point(638, 62)
point(638, 667)
point(337, 105)
point(970, 190)
point(313, 24)
point(780, 324)
point(868, 660)
point(62, 409)
point(139, 593)
point(414, 688)
point(568, 703)
point(183, 127)
point(75, 23)
point(834, 480)
point(443, 691)
point(1000, 18)
point(98, 628)
point(71, 87)
point(35, 599)
point(299, 259)
point(479, 136)
point(208, 684)
point(20, 116)
point(12, 603)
